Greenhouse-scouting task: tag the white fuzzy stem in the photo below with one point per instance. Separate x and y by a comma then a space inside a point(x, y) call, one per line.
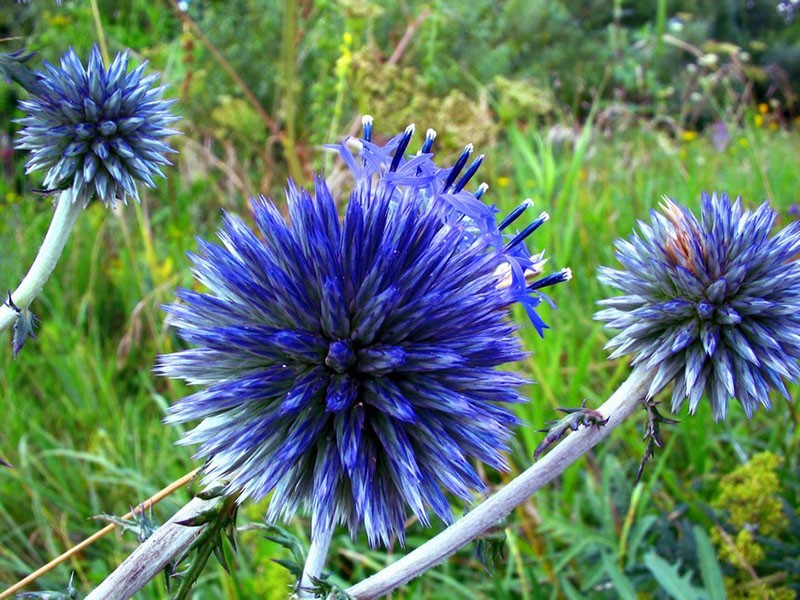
point(617, 408)
point(315, 561)
point(64, 218)
point(149, 559)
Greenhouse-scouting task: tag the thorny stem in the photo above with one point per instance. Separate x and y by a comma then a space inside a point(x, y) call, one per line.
point(147, 504)
point(314, 562)
point(171, 538)
point(619, 407)
point(151, 557)
point(64, 218)
point(205, 545)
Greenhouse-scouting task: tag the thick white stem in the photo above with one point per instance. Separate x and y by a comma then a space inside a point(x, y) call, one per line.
point(315, 561)
point(149, 559)
point(620, 406)
point(64, 218)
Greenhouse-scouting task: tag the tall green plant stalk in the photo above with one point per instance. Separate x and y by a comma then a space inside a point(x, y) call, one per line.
point(289, 84)
point(101, 36)
point(661, 25)
point(343, 65)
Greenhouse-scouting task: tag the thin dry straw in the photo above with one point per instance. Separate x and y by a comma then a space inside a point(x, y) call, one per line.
point(175, 485)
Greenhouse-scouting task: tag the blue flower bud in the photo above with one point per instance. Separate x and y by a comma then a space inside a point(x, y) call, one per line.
point(96, 131)
point(709, 303)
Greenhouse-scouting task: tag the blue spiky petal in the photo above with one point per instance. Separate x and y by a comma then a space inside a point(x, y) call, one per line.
point(709, 304)
point(97, 132)
point(350, 366)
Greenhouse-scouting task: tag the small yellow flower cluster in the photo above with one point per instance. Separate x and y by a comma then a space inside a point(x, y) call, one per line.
point(749, 497)
point(766, 118)
point(346, 57)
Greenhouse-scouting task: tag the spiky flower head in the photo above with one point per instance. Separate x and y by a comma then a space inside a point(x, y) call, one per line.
point(96, 131)
point(711, 304)
point(350, 366)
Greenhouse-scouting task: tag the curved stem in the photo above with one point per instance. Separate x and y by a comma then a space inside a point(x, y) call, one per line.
point(620, 406)
point(315, 560)
point(64, 218)
point(169, 541)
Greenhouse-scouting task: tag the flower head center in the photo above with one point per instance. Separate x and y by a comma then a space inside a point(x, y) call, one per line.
point(85, 131)
point(340, 356)
point(108, 128)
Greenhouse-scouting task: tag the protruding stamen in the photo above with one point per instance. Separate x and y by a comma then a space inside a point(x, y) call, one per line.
point(401, 147)
point(552, 279)
point(430, 135)
point(527, 231)
point(366, 123)
point(462, 160)
point(482, 189)
point(468, 175)
point(514, 214)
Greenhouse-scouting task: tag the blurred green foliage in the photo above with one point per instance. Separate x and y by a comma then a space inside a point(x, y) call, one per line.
point(690, 62)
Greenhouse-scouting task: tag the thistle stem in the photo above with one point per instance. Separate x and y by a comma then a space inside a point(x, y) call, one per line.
point(172, 539)
point(315, 560)
point(64, 218)
point(169, 541)
point(628, 397)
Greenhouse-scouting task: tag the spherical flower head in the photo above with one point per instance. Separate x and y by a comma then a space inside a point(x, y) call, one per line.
point(710, 304)
point(96, 131)
point(350, 366)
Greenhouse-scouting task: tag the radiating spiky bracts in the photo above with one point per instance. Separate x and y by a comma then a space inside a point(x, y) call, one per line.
point(710, 304)
point(97, 132)
point(350, 366)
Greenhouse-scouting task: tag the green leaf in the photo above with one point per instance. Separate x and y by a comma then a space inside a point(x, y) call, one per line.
point(569, 590)
point(637, 537)
point(709, 565)
point(622, 585)
point(670, 579)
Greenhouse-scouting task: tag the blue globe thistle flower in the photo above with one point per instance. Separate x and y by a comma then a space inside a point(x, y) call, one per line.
point(710, 304)
point(96, 131)
point(350, 366)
